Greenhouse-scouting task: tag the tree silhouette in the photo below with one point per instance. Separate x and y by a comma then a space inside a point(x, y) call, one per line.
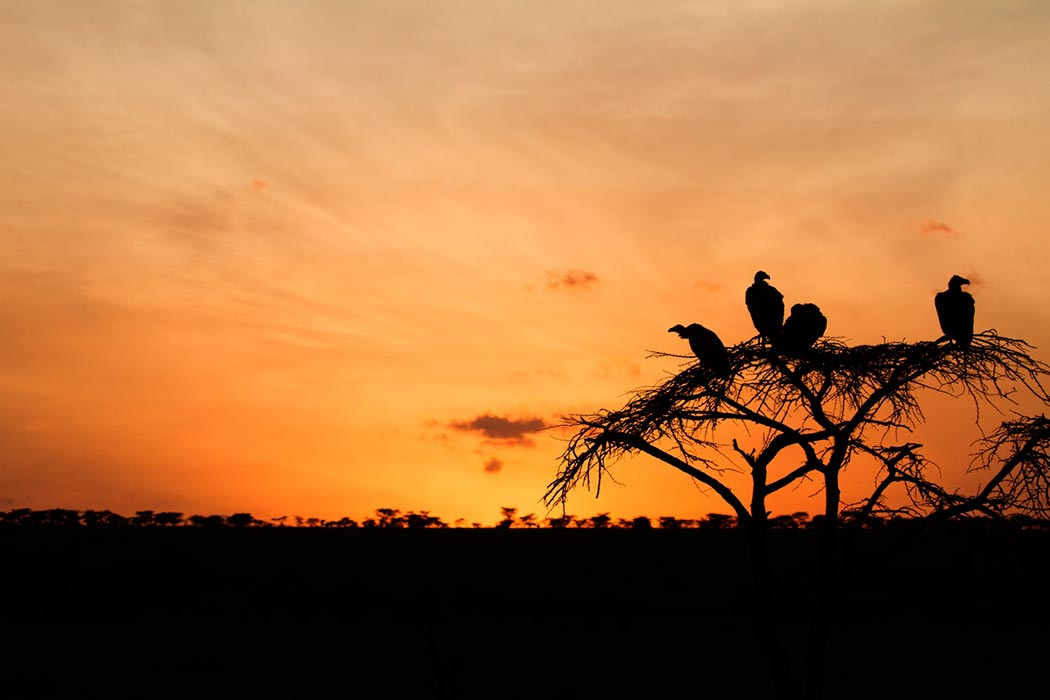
point(509, 517)
point(389, 517)
point(423, 520)
point(208, 521)
point(804, 419)
point(242, 520)
point(669, 522)
point(168, 518)
point(601, 521)
point(717, 521)
point(341, 522)
point(561, 522)
point(640, 522)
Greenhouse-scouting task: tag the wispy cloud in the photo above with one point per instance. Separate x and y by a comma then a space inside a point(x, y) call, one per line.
point(571, 279)
point(932, 227)
point(493, 465)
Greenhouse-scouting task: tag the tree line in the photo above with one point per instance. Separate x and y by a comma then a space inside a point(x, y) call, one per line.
point(393, 518)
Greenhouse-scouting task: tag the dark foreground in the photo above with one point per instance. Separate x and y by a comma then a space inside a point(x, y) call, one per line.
point(308, 612)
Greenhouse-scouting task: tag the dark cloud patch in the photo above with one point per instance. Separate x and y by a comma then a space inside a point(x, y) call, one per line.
point(501, 428)
point(571, 279)
point(931, 227)
point(493, 465)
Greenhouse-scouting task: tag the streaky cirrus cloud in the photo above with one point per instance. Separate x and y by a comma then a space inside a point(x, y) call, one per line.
point(493, 465)
point(571, 279)
point(501, 428)
point(932, 227)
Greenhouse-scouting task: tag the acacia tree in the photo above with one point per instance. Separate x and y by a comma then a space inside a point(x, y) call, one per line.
point(809, 418)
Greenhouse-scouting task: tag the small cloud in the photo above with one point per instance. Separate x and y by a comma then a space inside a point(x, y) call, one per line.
point(501, 428)
point(493, 465)
point(258, 185)
point(571, 279)
point(931, 227)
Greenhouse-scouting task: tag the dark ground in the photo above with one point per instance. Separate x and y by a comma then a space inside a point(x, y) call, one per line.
point(311, 612)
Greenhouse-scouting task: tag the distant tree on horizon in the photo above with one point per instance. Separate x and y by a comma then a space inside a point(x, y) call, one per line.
point(243, 520)
point(669, 522)
point(209, 521)
point(600, 521)
point(423, 520)
point(509, 517)
point(168, 519)
point(563, 522)
point(341, 522)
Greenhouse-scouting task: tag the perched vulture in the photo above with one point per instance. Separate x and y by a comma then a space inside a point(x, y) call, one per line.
point(706, 346)
point(766, 306)
point(955, 311)
point(802, 328)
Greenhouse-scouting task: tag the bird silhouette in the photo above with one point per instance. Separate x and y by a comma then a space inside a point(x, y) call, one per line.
point(766, 306)
point(802, 328)
point(955, 311)
point(706, 345)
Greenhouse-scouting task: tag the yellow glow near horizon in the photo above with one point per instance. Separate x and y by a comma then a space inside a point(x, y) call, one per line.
point(260, 256)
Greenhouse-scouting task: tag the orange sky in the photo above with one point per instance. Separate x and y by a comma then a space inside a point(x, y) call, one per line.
point(286, 257)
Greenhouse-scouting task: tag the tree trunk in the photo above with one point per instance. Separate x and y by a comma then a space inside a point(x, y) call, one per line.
point(766, 616)
point(827, 590)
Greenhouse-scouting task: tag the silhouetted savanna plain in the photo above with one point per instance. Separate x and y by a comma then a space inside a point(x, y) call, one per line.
point(919, 589)
point(599, 606)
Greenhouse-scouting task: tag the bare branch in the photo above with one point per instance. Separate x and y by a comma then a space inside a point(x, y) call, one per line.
point(1019, 453)
point(825, 402)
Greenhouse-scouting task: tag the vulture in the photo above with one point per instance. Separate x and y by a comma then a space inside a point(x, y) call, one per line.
point(766, 306)
point(706, 346)
point(802, 328)
point(955, 311)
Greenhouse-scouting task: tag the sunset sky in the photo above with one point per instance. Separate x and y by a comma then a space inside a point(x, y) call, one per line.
point(318, 257)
